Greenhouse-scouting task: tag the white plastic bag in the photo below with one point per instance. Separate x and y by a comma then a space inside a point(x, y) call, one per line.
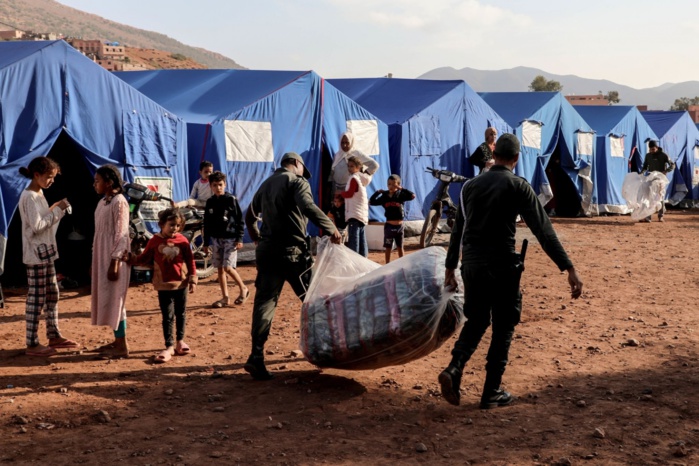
point(644, 193)
point(359, 315)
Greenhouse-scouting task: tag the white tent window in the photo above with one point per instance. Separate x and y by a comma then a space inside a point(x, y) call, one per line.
point(696, 152)
point(248, 141)
point(531, 134)
point(586, 142)
point(366, 136)
point(617, 144)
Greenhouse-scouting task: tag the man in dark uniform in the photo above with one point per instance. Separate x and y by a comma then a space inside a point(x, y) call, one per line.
point(491, 269)
point(657, 161)
point(285, 203)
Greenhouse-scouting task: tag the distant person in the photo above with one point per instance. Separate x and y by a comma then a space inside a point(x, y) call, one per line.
point(392, 202)
point(110, 279)
point(337, 215)
point(174, 275)
point(482, 157)
point(339, 173)
point(39, 251)
point(356, 207)
point(223, 235)
point(484, 231)
point(657, 161)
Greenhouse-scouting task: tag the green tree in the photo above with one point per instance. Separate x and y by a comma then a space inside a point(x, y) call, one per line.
point(683, 103)
point(541, 84)
point(612, 97)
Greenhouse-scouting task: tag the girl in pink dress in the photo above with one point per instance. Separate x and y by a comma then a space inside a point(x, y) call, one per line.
point(110, 278)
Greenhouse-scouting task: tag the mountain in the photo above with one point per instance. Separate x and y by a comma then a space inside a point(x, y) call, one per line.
point(51, 17)
point(518, 79)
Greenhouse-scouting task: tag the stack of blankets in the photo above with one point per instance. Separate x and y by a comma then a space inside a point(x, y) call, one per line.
point(391, 315)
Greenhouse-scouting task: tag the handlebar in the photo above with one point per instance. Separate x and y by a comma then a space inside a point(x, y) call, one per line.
point(446, 175)
point(138, 192)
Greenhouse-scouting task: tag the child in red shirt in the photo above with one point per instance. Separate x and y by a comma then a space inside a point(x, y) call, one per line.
point(174, 272)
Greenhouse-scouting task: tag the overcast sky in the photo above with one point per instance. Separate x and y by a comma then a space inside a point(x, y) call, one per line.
point(638, 43)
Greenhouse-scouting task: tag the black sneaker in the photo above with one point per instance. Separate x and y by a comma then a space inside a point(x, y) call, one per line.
point(255, 366)
point(496, 399)
point(450, 381)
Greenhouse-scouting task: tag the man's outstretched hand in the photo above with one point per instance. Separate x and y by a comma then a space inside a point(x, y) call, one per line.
point(576, 285)
point(336, 237)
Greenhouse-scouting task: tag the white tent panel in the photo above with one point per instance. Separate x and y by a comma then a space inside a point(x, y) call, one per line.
point(248, 141)
point(366, 136)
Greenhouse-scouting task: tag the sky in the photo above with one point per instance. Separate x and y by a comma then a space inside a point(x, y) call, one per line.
point(637, 43)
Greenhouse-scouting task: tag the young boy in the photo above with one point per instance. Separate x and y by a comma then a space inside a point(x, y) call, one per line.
point(174, 272)
point(392, 201)
point(223, 231)
point(337, 215)
point(201, 191)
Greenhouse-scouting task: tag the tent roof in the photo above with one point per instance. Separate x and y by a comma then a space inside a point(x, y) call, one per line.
point(13, 51)
point(603, 118)
point(662, 121)
point(395, 100)
point(203, 96)
point(515, 107)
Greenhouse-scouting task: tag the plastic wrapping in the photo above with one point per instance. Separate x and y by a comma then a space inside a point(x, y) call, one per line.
point(644, 193)
point(359, 315)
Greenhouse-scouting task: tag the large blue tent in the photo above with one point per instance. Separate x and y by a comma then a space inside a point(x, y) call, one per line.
point(244, 121)
point(679, 139)
point(550, 129)
point(51, 92)
point(622, 140)
point(431, 124)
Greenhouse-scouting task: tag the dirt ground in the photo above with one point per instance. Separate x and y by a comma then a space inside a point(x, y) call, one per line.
point(606, 379)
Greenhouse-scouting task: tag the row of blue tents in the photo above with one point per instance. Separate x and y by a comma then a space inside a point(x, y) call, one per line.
point(157, 126)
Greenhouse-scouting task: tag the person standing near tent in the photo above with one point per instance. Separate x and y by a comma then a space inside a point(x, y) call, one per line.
point(285, 204)
point(657, 161)
point(339, 173)
point(39, 251)
point(482, 157)
point(110, 279)
point(491, 270)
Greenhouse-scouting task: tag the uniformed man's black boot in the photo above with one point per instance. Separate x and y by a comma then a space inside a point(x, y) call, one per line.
point(493, 396)
point(255, 365)
point(450, 379)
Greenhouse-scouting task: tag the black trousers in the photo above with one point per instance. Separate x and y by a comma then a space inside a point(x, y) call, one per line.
point(173, 305)
point(273, 270)
point(492, 296)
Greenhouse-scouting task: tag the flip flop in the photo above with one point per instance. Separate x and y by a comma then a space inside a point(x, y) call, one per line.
point(164, 356)
point(66, 343)
point(223, 302)
point(43, 352)
point(241, 299)
point(182, 349)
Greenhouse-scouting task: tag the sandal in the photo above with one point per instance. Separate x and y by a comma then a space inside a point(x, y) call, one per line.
point(164, 356)
point(64, 343)
point(242, 298)
point(40, 351)
point(182, 349)
point(223, 302)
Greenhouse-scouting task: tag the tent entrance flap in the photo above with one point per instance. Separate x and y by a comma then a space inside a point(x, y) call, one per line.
point(566, 201)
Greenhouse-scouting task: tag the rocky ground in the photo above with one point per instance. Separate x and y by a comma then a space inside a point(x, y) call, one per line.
point(606, 379)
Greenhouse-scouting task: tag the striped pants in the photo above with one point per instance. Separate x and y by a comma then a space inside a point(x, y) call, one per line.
point(42, 293)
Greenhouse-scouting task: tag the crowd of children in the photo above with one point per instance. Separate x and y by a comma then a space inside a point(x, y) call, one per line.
point(169, 252)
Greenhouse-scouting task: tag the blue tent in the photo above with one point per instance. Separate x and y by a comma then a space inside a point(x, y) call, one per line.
point(550, 129)
point(622, 141)
point(244, 121)
point(49, 91)
point(431, 124)
point(679, 138)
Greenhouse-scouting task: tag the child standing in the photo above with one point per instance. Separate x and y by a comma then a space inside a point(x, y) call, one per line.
point(337, 215)
point(223, 231)
point(174, 272)
point(110, 280)
point(356, 206)
point(392, 202)
point(39, 251)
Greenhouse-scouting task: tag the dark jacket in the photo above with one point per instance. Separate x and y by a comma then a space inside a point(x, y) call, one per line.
point(481, 156)
point(285, 204)
point(492, 202)
point(392, 204)
point(658, 161)
point(223, 218)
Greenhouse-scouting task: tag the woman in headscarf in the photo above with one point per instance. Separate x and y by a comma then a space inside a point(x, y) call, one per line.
point(339, 174)
point(483, 156)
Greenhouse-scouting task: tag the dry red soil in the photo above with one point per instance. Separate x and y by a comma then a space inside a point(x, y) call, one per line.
point(606, 379)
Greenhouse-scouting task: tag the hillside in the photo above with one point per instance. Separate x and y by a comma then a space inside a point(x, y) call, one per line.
point(52, 17)
point(518, 80)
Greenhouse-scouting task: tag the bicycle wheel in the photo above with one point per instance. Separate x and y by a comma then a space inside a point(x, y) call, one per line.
point(429, 228)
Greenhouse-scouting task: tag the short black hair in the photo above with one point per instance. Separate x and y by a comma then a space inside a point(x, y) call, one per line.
point(395, 178)
point(205, 164)
point(217, 176)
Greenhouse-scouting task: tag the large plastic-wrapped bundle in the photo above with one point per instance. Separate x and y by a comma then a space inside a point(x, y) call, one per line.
point(359, 315)
point(644, 193)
